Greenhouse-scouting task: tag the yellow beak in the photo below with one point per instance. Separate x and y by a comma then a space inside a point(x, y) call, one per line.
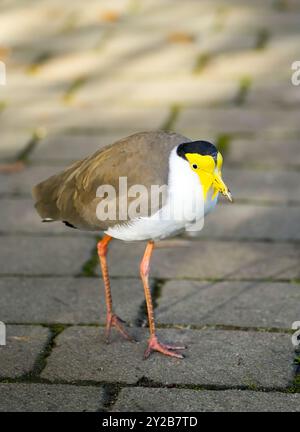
point(221, 186)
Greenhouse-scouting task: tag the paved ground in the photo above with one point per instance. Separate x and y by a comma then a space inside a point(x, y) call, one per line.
point(81, 77)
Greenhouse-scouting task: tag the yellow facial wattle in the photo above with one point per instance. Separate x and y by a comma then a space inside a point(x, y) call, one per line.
point(209, 173)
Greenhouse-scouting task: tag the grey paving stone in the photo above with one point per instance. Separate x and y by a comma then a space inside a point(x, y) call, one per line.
point(209, 260)
point(23, 181)
point(187, 90)
point(39, 115)
point(263, 185)
point(214, 357)
point(67, 300)
point(59, 118)
point(12, 144)
point(282, 95)
point(227, 41)
point(239, 358)
point(249, 304)
point(156, 58)
point(64, 149)
point(69, 61)
point(237, 120)
point(253, 222)
point(64, 48)
point(37, 20)
point(50, 398)
point(265, 152)
point(163, 17)
point(23, 89)
point(24, 345)
point(82, 354)
point(249, 21)
point(253, 62)
point(18, 216)
point(175, 400)
point(44, 255)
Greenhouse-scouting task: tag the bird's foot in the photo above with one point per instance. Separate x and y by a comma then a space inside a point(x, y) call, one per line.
point(114, 321)
point(169, 350)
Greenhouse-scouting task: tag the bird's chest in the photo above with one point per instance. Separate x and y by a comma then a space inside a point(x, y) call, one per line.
point(186, 200)
point(191, 203)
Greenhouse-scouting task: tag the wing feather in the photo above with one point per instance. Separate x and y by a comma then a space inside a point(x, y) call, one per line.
point(71, 195)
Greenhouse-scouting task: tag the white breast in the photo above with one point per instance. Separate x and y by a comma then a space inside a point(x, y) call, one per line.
point(184, 207)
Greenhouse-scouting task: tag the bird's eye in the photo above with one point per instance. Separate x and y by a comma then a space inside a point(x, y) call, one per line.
point(195, 166)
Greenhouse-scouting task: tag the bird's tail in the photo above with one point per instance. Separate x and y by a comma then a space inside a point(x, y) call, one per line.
point(45, 196)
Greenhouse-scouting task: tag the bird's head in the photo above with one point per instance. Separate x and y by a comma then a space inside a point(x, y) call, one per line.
point(206, 161)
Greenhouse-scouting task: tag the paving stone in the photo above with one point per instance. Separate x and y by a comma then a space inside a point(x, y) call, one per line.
point(63, 149)
point(155, 58)
point(23, 181)
point(26, 89)
point(239, 222)
point(249, 304)
point(254, 63)
point(67, 300)
point(19, 215)
point(12, 209)
point(49, 18)
point(241, 21)
point(119, 361)
point(253, 359)
point(263, 185)
point(226, 41)
point(59, 118)
point(139, 399)
point(68, 43)
point(24, 345)
point(170, 14)
point(12, 144)
point(265, 152)
point(236, 120)
point(286, 47)
point(28, 22)
point(44, 255)
point(209, 259)
point(50, 398)
point(70, 59)
point(39, 115)
point(214, 357)
point(283, 95)
point(159, 92)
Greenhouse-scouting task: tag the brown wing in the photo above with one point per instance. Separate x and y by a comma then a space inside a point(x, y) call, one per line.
point(142, 158)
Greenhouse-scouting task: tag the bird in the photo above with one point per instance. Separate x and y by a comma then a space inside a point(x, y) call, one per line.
point(88, 195)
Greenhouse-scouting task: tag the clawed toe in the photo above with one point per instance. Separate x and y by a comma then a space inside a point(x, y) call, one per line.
point(174, 347)
point(168, 350)
point(114, 321)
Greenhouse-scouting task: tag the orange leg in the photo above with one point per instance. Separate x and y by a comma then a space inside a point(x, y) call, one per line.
point(153, 343)
point(112, 320)
point(13, 167)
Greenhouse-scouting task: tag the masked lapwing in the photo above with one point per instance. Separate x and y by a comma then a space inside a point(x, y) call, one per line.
point(112, 192)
